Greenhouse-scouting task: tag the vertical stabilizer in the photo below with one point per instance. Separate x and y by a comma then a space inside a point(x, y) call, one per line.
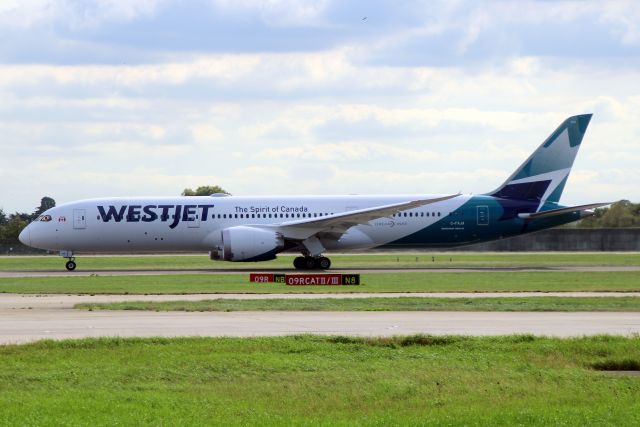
point(541, 178)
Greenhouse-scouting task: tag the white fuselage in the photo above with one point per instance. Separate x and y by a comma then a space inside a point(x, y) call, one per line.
point(195, 223)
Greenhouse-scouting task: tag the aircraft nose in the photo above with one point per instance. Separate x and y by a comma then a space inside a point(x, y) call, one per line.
point(25, 236)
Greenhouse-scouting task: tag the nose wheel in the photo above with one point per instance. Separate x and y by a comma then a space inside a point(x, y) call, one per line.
point(311, 263)
point(70, 265)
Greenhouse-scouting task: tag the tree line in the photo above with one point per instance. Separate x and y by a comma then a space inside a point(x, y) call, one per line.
point(622, 214)
point(12, 224)
point(205, 190)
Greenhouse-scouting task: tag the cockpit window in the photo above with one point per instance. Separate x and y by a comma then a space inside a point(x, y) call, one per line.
point(44, 218)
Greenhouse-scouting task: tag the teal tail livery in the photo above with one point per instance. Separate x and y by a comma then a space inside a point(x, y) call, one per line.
point(542, 177)
point(245, 228)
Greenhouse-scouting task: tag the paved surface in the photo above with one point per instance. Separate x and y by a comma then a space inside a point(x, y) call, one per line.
point(22, 326)
point(60, 301)
point(31, 318)
point(245, 271)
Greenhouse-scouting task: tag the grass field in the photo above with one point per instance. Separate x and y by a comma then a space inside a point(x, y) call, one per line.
point(376, 282)
point(382, 304)
point(306, 380)
point(372, 260)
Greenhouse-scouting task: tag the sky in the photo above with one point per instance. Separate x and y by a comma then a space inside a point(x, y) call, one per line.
point(119, 98)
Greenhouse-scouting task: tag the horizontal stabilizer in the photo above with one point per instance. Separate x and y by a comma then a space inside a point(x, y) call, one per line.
point(554, 212)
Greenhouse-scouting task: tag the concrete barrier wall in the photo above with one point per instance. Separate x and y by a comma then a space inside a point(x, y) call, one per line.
point(558, 239)
point(567, 239)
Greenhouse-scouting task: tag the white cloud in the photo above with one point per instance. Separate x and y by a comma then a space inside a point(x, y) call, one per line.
point(347, 151)
point(277, 12)
point(314, 120)
point(206, 134)
point(625, 15)
point(71, 14)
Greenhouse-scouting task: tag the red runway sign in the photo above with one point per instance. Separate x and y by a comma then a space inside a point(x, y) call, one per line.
point(322, 279)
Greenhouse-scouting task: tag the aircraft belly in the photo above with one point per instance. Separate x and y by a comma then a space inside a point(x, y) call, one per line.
point(116, 237)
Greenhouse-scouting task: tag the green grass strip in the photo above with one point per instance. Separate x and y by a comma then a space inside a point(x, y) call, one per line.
point(383, 282)
point(372, 260)
point(313, 381)
point(382, 304)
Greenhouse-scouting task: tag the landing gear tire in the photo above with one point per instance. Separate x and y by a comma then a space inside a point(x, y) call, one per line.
point(298, 262)
point(71, 265)
point(324, 263)
point(310, 263)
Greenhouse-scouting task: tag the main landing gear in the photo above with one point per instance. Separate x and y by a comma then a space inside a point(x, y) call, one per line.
point(311, 263)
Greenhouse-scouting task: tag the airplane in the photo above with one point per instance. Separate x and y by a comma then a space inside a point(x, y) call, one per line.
point(247, 229)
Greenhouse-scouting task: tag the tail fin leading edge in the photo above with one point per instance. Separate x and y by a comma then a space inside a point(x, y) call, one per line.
point(541, 178)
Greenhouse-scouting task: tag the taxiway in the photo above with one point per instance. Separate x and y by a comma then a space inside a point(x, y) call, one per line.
point(26, 318)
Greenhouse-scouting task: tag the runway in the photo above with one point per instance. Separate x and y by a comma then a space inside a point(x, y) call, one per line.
point(61, 301)
point(31, 325)
point(246, 271)
point(26, 318)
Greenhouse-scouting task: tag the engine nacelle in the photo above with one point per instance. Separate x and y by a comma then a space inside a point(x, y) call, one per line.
point(248, 244)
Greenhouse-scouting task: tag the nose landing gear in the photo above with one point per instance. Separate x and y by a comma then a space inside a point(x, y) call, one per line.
point(71, 264)
point(311, 263)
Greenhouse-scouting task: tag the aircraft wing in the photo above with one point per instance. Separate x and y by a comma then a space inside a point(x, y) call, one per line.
point(554, 212)
point(339, 223)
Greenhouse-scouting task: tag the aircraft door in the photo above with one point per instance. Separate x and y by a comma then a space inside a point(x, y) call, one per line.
point(483, 215)
point(79, 219)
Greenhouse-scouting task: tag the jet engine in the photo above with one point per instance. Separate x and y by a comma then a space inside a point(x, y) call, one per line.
point(243, 243)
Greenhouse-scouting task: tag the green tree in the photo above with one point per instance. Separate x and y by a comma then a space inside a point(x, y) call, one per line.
point(205, 190)
point(3, 217)
point(22, 215)
point(619, 214)
point(46, 203)
point(11, 230)
point(593, 221)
